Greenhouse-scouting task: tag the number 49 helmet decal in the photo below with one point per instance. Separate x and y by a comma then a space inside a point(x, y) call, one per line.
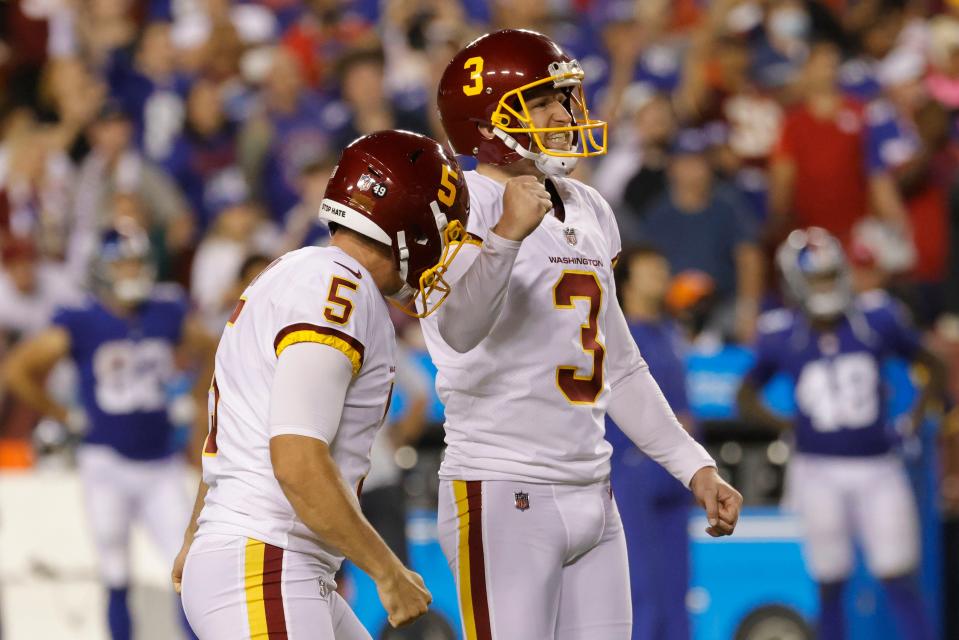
point(404, 190)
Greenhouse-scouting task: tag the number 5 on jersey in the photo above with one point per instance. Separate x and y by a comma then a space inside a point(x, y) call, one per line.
point(338, 311)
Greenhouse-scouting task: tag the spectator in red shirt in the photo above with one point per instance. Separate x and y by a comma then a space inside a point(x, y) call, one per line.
point(818, 172)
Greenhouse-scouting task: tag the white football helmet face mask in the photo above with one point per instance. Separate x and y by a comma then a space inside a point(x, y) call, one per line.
point(816, 273)
point(122, 269)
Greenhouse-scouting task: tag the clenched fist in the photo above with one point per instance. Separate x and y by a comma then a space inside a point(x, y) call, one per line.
point(525, 202)
point(721, 502)
point(404, 596)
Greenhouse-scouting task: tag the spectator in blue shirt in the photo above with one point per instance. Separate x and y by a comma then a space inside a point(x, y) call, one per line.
point(704, 226)
point(205, 154)
point(366, 105)
point(151, 89)
point(654, 505)
point(290, 129)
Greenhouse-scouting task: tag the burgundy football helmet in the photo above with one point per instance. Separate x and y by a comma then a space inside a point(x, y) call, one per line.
point(404, 190)
point(485, 83)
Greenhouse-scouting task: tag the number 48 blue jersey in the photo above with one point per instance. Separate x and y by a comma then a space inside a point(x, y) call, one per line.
point(124, 365)
point(839, 393)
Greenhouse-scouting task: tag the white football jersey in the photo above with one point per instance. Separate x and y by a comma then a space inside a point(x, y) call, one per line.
point(309, 295)
point(529, 402)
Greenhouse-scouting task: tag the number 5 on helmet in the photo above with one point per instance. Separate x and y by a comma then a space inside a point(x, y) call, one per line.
point(404, 190)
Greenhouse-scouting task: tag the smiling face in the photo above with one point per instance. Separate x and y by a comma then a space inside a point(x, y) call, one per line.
point(548, 108)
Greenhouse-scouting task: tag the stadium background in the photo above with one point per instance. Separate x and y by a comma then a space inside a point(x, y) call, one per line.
point(215, 124)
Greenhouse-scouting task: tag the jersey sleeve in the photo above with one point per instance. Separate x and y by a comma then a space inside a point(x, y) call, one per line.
point(623, 357)
point(70, 319)
point(767, 349)
point(66, 318)
point(607, 220)
point(176, 304)
point(332, 309)
point(309, 388)
point(892, 323)
point(485, 205)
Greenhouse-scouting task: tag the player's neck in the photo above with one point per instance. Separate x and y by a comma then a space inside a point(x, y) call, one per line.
point(375, 257)
point(642, 310)
point(116, 307)
point(824, 325)
point(503, 173)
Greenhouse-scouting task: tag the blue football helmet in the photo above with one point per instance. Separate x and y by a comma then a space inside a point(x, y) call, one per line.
point(123, 269)
point(816, 273)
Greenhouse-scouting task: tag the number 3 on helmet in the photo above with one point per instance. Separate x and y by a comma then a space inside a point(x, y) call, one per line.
point(487, 82)
point(404, 190)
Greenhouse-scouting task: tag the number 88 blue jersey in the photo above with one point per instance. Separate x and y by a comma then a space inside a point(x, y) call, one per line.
point(839, 392)
point(124, 364)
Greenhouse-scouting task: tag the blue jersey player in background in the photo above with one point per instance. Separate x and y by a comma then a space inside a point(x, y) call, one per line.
point(123, 340)
point(844, 479)
point(654, 505)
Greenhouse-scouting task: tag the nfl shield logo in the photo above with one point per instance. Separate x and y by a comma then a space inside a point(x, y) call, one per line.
point(365, 182)
point(570, 234)
point(522, 500)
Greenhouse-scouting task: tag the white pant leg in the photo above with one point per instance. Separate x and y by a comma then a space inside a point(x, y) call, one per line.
point(237, 588)
point(507, 561)
point(110, 510)
point(819, 494)
point(595, 603)
point(163, 503)
point(887, 519)
point(346, 626)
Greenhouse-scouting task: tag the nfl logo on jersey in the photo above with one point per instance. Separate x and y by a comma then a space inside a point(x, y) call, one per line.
point(522, 500)
point(570, 234)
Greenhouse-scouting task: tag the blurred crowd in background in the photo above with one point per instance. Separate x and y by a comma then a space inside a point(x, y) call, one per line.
point(215, 124)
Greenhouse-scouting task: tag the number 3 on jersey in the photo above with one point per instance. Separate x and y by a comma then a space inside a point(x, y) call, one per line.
point(572, 286)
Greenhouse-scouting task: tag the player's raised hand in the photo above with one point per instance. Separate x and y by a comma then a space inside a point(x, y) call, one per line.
point(404, 596)
point(720, 500)
point(525, 202)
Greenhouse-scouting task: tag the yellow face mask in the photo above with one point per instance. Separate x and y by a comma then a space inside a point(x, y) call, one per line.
point(433, 287)
point(589, 135)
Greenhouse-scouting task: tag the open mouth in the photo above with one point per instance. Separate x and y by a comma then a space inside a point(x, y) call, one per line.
point(561, 140)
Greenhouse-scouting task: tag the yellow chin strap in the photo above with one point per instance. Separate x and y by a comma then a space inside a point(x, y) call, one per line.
point(586, 131)
point(432, 282)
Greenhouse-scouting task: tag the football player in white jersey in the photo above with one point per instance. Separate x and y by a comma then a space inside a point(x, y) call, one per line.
point(302, 381)
point(532, 352)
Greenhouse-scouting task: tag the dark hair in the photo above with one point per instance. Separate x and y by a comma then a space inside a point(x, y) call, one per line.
point(251, 261)
point(359, 56)
point(319, 163)
point(621, 270)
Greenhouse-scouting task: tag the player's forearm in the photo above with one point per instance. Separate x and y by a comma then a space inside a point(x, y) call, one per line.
point(477, 298)
point(640, 410)
point(313, 485)
point(31, 391)
point(197, 508)
point(749, 273)
point(782, 177)
point(751, 408)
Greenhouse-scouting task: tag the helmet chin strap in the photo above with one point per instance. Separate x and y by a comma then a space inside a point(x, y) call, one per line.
point(405, 293)
point(552, 166)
